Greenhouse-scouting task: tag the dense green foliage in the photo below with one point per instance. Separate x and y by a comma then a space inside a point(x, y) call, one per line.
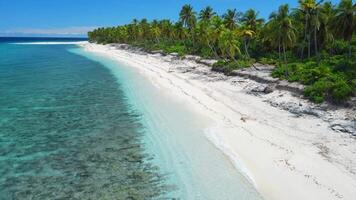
point(312, 44)
point(333, 79)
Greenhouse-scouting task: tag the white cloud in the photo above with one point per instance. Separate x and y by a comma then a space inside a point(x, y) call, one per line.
point(67, 31)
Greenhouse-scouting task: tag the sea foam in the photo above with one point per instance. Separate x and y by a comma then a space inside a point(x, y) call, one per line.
point(212, 134)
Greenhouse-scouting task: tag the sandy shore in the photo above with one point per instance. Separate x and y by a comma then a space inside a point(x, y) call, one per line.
point(285, 156)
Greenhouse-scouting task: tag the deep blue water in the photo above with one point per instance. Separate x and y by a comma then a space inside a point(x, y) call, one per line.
point(67, 130)
point(39, 39)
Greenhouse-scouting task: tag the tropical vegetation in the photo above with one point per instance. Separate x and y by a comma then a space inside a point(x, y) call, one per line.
point(313, 44)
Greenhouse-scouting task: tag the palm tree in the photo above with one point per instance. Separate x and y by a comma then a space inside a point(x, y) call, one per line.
point(272, 34)
point(179, 31)
point(247, 34)
point(187, 17)
point(214, 31)
point(251, 20)
point(206, 14)
point(286, 28)
point(231, 18)
point(251, 24)
point(229, 44)
point(156, 32)
point(310, 10)
point(326, 15)
point(145, 29)
point(282, 30)
point(306, 7)
point(165, 27)
point(345, 20)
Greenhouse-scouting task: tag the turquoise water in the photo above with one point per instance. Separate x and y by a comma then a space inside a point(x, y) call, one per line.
point(67, 130)
point(78, 125)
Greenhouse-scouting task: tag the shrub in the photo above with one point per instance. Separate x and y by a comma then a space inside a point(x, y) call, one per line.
point(347, 67)
point(205, 52)
point(333, 80)
point(181, 50)
point(228, 66)
point(267, 61)
point(333, 88)
point(338, 47)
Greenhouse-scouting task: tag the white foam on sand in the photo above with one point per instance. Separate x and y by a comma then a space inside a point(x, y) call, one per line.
point(212, 133)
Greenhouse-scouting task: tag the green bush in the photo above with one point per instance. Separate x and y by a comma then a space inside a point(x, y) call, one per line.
point(333, 88)
point(176, 49)
point(347, 67)
point(333, 80)
point(227, 67)
point(267, 61)
point(353, 86)
point(338, 47)
point(205, 52)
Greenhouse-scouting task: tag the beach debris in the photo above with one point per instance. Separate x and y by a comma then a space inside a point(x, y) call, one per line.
point(266, 89)
point(343, 128)
point(208, 62)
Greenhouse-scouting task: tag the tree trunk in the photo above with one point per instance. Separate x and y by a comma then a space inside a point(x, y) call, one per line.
point(305, 37)
point(316, 46)
point(232, 57)
point(213, 50)
point(285, 61)
point(350, 48)
point(309, 45)
point(315, 40)
point(246, 50)
point(279, 50)
point(302, 51)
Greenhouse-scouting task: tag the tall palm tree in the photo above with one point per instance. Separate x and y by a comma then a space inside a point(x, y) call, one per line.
point(206, 14)
point(231, 18)
point(346, 20)
point(214, 32)
point(144, 29)
point(282, 30)
point(326, 15)
point(133, 29)
point(229, 44)
point(188, 19)
point(155, 30)
point(305, 7)
point(272, 34)
point(286, 28)
point(251, 20)
point(179, 31)
point(310, 10)
point(187, 16)
point(247, 34)
point(251, 25)
point(165, 27)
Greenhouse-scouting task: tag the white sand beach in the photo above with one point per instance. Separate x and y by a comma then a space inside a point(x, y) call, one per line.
point(286, 156)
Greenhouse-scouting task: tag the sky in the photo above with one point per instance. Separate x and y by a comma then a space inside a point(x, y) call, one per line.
point(74, 18)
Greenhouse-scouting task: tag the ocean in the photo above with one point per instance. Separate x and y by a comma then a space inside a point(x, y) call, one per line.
point(74, 125)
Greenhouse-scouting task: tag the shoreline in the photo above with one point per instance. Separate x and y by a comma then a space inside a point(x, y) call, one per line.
point(286, 157)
